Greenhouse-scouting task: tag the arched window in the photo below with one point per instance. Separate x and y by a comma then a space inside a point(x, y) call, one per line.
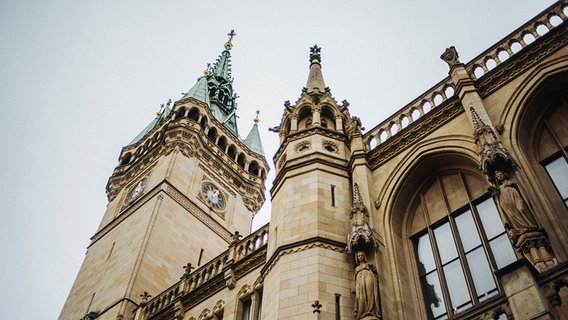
point(459, 242)
point(553, 146)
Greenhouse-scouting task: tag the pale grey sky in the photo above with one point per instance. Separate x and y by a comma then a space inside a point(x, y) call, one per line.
point(80, 79)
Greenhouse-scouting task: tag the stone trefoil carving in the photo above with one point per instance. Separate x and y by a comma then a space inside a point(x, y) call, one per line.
point(495, 161)
point(366, 289)
point(361, 236)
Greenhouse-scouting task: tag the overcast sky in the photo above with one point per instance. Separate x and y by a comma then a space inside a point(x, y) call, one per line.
point(80, 79)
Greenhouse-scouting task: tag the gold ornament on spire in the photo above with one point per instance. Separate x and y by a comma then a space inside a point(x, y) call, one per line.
point(256, 119)
point(207, 70)
point(229, 43)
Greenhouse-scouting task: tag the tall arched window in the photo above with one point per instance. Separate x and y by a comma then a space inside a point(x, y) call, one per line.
point(553, 146)
point(459, 242)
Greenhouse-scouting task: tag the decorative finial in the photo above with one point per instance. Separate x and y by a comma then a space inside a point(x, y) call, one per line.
point(145, 296)
point(229, 43)
point(159, 112)
point(450, 56)
point(207, 70)
point(315, 56)
point(188, 267)
point(256, 119)
point(317, 306)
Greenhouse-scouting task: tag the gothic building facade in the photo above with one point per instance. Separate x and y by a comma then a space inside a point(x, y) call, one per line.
point(455, 207)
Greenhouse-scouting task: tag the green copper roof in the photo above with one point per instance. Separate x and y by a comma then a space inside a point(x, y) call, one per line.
point(199, 91)
point(215, 88)
point(253, 140)
point(159, 118)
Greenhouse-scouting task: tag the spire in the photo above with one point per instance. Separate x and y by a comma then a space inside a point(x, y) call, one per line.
point(253, 138)
point(215, 88)
point(222, 67)
point(315, 79)
point(160, 116)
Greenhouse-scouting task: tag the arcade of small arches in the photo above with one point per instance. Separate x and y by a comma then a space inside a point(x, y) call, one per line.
point(307, 117)
point(409, 114)
point(193, 114)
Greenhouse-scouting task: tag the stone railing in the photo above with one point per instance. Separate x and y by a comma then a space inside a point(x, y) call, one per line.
point(410, 113)
point(191, 281)
point(517, 40)
point(547, 20)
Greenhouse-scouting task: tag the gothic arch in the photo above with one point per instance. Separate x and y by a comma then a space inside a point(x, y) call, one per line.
point(304, 117)
point(533, 103)
point(394, 198)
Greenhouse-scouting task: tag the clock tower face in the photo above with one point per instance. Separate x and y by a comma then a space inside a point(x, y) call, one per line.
point(136, 191)
point(213, 196)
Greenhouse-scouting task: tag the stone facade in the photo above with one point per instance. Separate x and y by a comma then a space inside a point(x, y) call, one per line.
point(420, 194)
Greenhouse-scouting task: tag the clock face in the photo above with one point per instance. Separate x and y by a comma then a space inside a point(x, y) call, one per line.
point(213, 196)
point(136, 191)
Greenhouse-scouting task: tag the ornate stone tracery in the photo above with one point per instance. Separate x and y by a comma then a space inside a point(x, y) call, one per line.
point(361, 235)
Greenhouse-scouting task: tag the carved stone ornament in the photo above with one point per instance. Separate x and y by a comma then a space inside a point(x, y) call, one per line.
point(361, 235)
point(354, 126)
point(493, 156)
point(450, 56)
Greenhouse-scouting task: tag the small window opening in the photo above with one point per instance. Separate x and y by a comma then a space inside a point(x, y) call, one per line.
point(332, 195)
point(337, 308)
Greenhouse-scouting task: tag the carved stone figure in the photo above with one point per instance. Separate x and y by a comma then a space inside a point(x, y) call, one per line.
point(514, 207)
point(366, 289)
point(527, 236)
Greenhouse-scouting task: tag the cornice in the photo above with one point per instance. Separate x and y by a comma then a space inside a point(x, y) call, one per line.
point(314, 158)
point(186, 138)
point(299, 246)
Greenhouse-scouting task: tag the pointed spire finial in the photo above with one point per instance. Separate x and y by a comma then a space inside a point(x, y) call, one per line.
point(229, 43)
point(256, 119)
point(478, 124)
point(315, 84)
point(207, 70)
point(315, 56)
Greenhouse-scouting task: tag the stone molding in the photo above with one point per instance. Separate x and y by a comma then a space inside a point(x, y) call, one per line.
point(299, 246)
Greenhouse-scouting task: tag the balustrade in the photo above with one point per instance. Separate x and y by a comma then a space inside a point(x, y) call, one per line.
point(192, 280)
point(477, 68)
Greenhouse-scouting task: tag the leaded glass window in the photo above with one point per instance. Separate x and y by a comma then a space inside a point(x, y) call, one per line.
point(462, 245)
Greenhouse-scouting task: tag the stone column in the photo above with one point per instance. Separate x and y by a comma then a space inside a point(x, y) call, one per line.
point(526, 300)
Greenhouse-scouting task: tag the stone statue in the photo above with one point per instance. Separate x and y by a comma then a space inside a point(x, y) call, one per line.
point(516, 212)
point(528, 238)
point(366, 289)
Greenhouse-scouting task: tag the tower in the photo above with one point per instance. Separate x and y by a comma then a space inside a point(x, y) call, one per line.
point(182, 187)
point(311, 204)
